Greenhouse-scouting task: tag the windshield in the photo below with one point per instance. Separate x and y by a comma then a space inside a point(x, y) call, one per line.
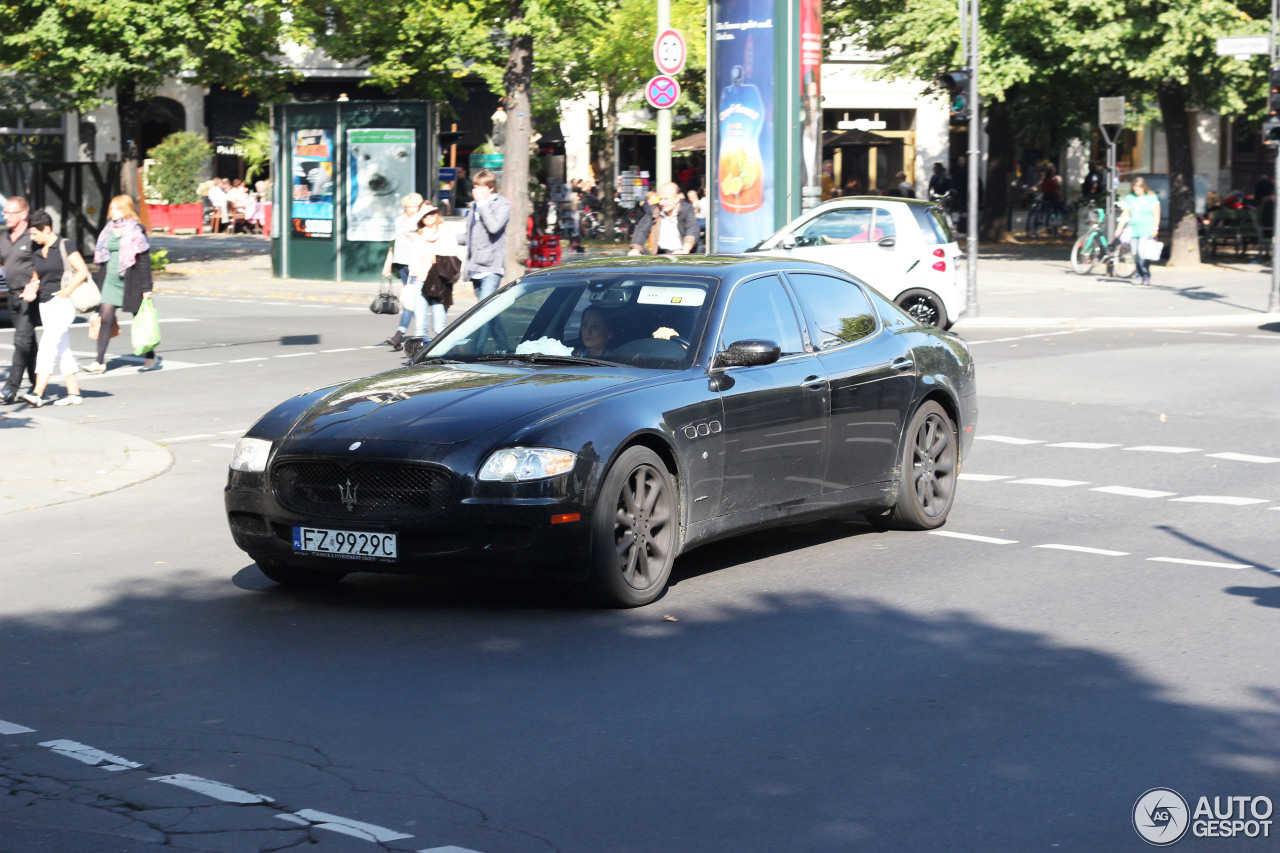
point(639, 319)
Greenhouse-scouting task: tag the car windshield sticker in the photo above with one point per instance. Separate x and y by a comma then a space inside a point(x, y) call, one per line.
point(690, 297)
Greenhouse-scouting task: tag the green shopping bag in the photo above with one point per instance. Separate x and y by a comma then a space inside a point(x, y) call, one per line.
point(146, 328)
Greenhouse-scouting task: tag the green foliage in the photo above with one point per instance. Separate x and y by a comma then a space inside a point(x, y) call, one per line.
point(255, 142)
point(180, 163)
point(159, 260)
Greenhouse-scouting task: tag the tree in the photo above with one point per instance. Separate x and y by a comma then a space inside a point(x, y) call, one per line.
point(72, 53)
point(180, 161)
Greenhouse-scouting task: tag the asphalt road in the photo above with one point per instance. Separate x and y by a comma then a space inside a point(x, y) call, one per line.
point(1096, 619)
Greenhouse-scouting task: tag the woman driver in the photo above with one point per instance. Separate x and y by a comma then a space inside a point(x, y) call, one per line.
point(595, 334)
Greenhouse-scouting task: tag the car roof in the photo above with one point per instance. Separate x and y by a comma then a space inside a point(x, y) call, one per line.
point(876, 199)
point(725, 267)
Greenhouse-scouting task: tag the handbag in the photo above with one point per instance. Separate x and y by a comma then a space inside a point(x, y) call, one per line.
point(145, 334)
point(86, 297)
point(95, 327)
point(1152, 250)
point(385, 302)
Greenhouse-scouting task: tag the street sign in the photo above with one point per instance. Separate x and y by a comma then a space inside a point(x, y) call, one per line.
point(669, 51)
point(861, 124)
point(1244, 46)
point(662, 92)
point(1110, 111)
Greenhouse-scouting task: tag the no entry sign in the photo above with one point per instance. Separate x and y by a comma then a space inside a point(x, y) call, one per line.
point(662, 92)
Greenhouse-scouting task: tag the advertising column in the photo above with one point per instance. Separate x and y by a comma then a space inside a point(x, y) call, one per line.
point(810, 103)
point(311, 206)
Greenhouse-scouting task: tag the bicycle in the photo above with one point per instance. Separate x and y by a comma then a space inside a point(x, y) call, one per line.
point(1093, 249)
point(1048, 216)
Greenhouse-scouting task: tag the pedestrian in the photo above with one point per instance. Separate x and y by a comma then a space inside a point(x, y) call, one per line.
point(218, 201)
point(123, 255)
point(669, 227)
point(16, 258)
point(1093, 185)
point(485, 236)
point(1138, 223)
point(397, 262)
point(56, 311)
point(905, 188)
point(433, 268)
point(461, 189)
point(939, 183)
point(1051, 190)
point(828, 180)
point(700, 208)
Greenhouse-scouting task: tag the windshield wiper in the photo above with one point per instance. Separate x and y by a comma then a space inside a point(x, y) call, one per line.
point(545, 358)
point(438, 360)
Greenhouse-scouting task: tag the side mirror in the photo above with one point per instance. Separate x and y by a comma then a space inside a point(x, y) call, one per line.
point(787, 242)
point(887, 242)
point(413, 346)
point(749, 353)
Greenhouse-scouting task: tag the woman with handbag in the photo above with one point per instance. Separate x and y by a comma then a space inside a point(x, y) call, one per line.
point(435, 254)
point(397, 263)
point(1138, 223)
point(124, 275)
point(58, 271)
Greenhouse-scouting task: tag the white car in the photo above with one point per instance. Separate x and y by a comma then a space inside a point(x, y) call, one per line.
point(902, 247)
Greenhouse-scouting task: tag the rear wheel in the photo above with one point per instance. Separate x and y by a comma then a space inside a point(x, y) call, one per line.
point(930, 465)
point(1124, 265)
point(1085, 254)
point(924, 307)
point(287, 575)
point(633, 531)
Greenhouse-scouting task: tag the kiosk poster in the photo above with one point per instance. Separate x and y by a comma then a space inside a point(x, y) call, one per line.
point(744, 47)
point(311, 207)
point(811, 98)
point(380, 169)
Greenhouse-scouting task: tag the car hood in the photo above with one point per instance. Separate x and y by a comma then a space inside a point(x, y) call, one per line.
point(447, 404)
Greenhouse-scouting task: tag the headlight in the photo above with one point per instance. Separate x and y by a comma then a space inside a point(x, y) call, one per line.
point(516, 464)
point(251, 454)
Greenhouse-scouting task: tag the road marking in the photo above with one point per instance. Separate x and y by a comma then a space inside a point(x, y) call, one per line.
point(195, 437)
point(985, 478)
point(972, 538)
point(1199, 563)
point(450, 849)
point(1082, 445)
point(1084, 550)
point(1155, 448)
point(1220, 334)
point(1027, 337)
point(1004, 439)
point(286, 304)
point(243, 360)
point(295, 354)
point(1132, 493)
point(89, 755)
point(234, 431)
point(1264, 337)
point(346, 826)
point(8, 728)
point(1219, 499)
point(341, 349)
point(1243, 457)
point(227, 446)
point(1174, 331)
point(373, 346)
point(1049, 481)
point(210, 788)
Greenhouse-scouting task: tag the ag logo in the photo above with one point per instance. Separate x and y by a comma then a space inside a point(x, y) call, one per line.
point(1161, 817)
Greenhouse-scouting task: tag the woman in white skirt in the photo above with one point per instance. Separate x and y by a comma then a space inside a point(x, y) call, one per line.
point(56, 311)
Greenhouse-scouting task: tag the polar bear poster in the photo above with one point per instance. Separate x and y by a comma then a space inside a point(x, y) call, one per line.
point(381, 168)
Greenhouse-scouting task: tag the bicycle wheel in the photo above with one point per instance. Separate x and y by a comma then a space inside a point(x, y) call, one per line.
point(1034, 223)
point(1123, 265)
point(1085, 254)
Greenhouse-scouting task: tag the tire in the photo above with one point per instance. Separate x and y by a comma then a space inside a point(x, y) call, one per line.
point(924, 307)
point(634, 531)
point(1084, 260)
point(930, 467)
point(287, 575)
point(1124, 265)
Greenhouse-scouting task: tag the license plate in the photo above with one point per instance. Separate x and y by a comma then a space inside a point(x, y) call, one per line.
point(348, 544)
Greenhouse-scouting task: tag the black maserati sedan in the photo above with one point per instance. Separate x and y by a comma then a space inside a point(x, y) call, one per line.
point(590, 422)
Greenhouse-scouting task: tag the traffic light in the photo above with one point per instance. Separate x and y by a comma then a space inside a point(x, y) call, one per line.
point(957, 83)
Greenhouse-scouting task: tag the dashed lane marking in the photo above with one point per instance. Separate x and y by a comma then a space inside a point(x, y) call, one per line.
point(243, 360)
point(89, 755)
point(1243, 457)
point(1005, 439)
point(985, 478)
point(1156, 448)
point(1082, 445)
point(341, 349)
point(1204, 563)
point(210, 788)
point(8, 728)
point(1131, 492)
point(974, 538)
point(345, 825)
point(1228, 500)
point(1220, 334)
point(1026, 337)
point(196, 437)
point(1050, 481)
point(1083, 550)
point(226, 446)
point(1174, 331)
point(296, 354)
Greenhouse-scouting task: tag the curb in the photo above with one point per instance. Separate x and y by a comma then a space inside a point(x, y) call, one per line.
point(1113, 322)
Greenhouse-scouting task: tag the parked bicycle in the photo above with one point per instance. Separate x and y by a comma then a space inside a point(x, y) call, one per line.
point(1049, 218)
point(1093, 249)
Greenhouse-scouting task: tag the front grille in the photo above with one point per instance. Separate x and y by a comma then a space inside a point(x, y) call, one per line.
point(363, 490)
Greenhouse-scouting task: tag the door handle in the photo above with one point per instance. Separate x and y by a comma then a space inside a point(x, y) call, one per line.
point(813, 383)
point(902, 364)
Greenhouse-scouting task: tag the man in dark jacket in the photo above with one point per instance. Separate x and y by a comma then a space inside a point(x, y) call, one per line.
point(669, 227)
point(16, 258)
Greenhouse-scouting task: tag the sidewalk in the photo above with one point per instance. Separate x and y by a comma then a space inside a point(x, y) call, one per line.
point(45, 461)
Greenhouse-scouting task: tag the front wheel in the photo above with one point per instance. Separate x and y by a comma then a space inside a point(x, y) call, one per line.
point(924, 307)
point(633, 531)
point(1085, 254)
point(930, 466)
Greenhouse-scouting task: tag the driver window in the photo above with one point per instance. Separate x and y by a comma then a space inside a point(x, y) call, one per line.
point(884, 226)
point(762, 310)
point(850, 225)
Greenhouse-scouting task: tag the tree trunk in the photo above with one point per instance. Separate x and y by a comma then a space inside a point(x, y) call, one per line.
point(517, 81)
point(128, 114)
point(995, 196)
point(1185, 240)
point(608, 167)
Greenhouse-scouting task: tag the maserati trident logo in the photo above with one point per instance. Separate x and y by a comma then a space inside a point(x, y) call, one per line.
point(347, 494)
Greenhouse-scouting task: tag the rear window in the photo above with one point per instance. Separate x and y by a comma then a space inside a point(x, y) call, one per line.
point(933, 223)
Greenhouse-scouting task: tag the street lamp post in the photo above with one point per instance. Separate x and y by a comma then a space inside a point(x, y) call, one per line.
point(975, 159)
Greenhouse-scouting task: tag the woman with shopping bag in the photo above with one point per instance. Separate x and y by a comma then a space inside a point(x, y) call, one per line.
point(58, 271)
point(1138, 223)
point(123, 255)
